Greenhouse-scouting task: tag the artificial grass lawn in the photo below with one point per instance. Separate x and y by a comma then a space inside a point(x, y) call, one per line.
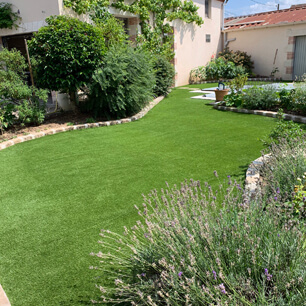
point(57, 192)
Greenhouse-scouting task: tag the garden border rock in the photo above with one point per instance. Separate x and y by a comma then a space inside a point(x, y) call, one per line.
point(139, 115)
point(295, 118)
point(252, 175)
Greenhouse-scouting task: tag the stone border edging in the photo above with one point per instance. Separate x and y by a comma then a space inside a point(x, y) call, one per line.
point(4, 301)
point(139, 115)
point(295, 118)
point(253, 176)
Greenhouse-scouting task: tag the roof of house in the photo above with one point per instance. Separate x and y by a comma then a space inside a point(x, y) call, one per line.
point(296, 13)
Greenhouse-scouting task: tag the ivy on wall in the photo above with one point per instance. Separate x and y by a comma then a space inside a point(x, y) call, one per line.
point(155, 17)
point(8, 18)
point(80, 6)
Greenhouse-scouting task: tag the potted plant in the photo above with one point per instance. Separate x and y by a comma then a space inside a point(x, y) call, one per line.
point(221, 91)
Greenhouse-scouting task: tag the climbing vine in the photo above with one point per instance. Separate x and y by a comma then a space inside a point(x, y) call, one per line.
point(8, 18)
point(155, 17)
point(80, 6)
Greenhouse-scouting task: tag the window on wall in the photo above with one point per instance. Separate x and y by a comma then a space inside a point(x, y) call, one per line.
point(208, 38)
point(207, 8)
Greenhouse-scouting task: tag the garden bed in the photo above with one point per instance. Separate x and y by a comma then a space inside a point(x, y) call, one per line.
point(52, 121)
point(292, 116)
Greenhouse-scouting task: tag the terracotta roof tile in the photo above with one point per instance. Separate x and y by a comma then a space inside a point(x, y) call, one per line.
point(296, 13)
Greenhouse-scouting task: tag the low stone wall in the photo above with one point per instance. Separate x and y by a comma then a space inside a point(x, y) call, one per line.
point(142, 113)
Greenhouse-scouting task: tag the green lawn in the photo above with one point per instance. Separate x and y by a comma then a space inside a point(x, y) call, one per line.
point(57, 192)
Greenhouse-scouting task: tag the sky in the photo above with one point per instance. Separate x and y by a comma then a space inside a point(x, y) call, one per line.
point(246, 7)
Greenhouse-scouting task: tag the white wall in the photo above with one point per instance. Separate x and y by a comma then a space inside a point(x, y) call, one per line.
point(262, 43)
point(191, 48)
point(33, 14)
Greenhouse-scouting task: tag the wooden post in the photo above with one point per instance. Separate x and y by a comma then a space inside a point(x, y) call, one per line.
point(29, 61)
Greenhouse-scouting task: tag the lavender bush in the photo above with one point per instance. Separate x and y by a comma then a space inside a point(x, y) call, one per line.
point(196, 246)
point(283, 164)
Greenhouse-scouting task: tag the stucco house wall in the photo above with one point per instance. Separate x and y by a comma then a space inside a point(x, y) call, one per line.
point(33, 14)
point(191, 48)
point(270, 47)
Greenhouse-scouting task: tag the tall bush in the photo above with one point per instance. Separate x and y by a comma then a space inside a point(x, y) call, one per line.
point(123, 86)
point(239, 58)
point(67, 52)
point(164, 76)
point(220, 69)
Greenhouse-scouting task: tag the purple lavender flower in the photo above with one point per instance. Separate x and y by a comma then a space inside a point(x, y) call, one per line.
point(180, 274)
point(275, 198)
point(278, 235)
point(222, 288)
point(277, 190)
point(143, 274)
point(215, 274)
point(229, 176)
point(269, 276)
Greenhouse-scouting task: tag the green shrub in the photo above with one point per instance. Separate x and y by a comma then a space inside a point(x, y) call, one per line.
point(286, 98)
point(14, 92)
point(282, 167)
point(189, 250)
point(31, 112)
point(299, 97)
point(221, 69)
point(233, 99)
point(123, 86)
point(285, 129)
point(239, 58)
point(90, 120)
point(237, 84)
point(67, 52)
point(265, 97)
point(6, 116)
point(164, 76)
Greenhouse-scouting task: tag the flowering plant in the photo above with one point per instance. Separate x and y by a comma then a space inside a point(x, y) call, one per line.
point(196, 246)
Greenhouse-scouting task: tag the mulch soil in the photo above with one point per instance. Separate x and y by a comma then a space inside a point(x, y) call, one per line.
point(52, 121)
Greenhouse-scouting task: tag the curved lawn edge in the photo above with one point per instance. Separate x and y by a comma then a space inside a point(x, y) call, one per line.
point(295, 118)
point(137, 116)
point(4, 301)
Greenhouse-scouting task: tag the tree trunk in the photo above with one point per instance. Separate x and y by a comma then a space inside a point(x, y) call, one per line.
point(73, 100)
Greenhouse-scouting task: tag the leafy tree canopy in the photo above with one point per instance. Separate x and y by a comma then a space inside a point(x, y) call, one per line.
point(67, 52)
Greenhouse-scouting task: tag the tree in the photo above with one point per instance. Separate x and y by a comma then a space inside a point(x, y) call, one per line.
point(67, 52)
point(112, 28)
